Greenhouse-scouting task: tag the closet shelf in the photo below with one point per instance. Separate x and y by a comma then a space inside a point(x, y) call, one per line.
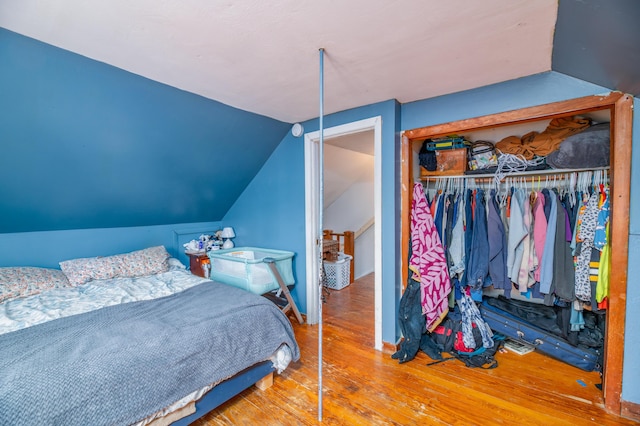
point(530, 173)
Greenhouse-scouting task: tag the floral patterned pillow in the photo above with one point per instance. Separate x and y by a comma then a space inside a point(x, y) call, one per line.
point(23, 281)
point(153, 260)
point(150, 261)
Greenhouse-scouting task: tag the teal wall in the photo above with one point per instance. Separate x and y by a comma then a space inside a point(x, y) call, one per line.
point(88, 145)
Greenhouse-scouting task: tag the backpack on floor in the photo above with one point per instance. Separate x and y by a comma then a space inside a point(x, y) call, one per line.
point(448, 338)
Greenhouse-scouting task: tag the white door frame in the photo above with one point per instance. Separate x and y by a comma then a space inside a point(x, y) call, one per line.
point(312, 204)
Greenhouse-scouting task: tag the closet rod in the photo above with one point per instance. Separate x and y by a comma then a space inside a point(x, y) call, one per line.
point(573, 179)
point(514, 174)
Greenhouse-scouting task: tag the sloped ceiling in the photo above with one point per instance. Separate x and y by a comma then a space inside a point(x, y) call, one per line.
point(347, 159)
point(262, 56)
point(598, 41)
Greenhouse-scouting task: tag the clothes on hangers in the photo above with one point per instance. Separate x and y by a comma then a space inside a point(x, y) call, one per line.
point(600, 237)
point(457, 259)
point(517, 234)
point(523, 239)
point(537, 242)
point(428, 262)
point(563, 280)
point(497, 247)
point(546, 266)
point(589, 221)
point(602, 287)
point(539, 230)
point(478, 263)
point(529, 260)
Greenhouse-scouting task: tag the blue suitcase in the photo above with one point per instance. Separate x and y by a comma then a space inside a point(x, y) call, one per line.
point(545, 342)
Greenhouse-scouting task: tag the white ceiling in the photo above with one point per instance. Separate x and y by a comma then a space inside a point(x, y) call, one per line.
point(344, 167)
point(263, 56)
point(361, 142)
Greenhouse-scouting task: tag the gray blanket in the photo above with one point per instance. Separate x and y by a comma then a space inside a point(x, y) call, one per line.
point(120, 364)
point(589, 148)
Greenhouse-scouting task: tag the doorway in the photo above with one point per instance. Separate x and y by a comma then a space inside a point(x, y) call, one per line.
point(313, 204)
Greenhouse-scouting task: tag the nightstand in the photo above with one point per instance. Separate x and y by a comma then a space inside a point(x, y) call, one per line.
point(196, 262)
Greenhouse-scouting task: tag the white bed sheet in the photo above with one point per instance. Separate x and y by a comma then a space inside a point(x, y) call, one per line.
point(25, 312)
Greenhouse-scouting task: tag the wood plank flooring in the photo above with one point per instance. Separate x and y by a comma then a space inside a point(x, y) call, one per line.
point(366, 387)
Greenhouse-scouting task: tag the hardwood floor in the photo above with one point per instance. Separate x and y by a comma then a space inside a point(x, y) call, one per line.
point(366, 387)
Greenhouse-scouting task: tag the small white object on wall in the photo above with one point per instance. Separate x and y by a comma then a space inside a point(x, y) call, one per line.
point(297, 130)
point(227, 234)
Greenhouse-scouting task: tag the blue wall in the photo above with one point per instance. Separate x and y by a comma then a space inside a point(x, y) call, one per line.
point(506, 96)
point(270, 212)
point(48, 248)
point(87, 145)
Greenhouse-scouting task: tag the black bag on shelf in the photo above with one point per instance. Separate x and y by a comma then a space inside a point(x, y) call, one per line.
point(427, 157)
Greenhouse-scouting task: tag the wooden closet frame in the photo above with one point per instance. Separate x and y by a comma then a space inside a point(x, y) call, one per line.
point(620, 107)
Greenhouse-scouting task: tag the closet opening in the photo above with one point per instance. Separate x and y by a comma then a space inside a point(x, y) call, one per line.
point(614, 108)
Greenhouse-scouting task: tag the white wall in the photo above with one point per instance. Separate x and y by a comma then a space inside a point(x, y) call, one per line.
point(364, 249)
point(354, 207)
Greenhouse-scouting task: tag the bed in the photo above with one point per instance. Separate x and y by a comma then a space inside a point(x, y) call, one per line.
point(130, 339)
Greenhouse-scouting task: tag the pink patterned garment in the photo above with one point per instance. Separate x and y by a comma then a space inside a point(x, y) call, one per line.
point(428, 261)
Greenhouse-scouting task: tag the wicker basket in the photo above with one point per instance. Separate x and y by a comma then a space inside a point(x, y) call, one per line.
point(330, 249)
point(338, 274)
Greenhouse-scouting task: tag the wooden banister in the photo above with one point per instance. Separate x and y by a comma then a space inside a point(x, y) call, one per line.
point(364, 227)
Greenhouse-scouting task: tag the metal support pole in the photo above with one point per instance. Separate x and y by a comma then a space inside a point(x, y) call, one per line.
point(320, 236)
